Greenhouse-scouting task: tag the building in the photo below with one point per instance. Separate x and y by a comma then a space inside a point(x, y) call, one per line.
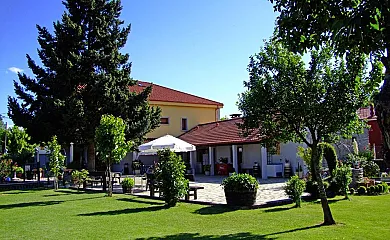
point(221, 141)
point(180, 112)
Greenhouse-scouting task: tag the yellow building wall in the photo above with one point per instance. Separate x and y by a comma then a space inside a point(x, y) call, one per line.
point(195, 114)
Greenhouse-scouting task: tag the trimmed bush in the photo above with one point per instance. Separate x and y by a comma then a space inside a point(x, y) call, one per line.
point(378, 189)
point(385, 187)
point(240, 189)
point(294, 189)
point(312, 188)
point(362, 190)
point(241, 182)
point(330, 155)
point(352, 191)
point(371, 190)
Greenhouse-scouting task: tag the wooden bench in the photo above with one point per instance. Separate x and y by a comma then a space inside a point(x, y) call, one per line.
point(193, 189)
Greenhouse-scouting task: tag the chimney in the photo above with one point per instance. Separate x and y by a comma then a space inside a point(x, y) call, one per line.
point(372, 111)
point(235, 115)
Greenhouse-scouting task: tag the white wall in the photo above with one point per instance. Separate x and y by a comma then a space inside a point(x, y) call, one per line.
point(223, 151)
point(288, 151)
point(344, 146)
point(251, 153)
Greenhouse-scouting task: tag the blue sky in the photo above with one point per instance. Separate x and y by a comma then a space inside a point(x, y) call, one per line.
point(201, 47)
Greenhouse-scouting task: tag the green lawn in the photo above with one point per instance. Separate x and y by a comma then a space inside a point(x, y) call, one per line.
point(66, 214)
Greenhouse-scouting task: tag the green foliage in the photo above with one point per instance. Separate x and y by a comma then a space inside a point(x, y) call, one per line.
point(111, 143)
point(305, 155)
point(329, 153)
point(354, 160)
point(206, 167)
point(170, 173)
point(56, 158)
point(312, 188)
point(111, 139)
point(343, 177)
point(371, 190)
point(128, 182)
point(362, 190)
point(5, 168)
point(19, 146)
point(385, 187)
point(84, 74)
point(294, 189)
point(367, 153)
point(241, 182)
point(19, 170)
point(79, 177)
point(370, 169)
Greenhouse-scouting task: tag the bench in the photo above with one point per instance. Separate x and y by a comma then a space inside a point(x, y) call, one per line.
point(193, 189)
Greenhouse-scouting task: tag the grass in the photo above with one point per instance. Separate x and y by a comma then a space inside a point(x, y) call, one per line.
point(66, 214)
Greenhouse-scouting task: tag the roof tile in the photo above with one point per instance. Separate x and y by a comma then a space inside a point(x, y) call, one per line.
point(164, 94)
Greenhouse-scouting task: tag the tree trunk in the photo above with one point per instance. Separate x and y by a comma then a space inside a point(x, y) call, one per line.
point(91, 156)
point(315, 159)
point(109, 180)
point(55, 183)
point(382, 111)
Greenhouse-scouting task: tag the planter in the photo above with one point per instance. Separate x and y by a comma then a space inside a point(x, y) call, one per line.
point(300, 174)
point(207, 173)
point(127, 189)
point(19, 175)
point(240, 198)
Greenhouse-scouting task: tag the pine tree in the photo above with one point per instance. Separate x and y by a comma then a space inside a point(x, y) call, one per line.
point(84, 75)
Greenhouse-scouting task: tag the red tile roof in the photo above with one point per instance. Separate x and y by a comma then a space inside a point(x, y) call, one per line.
point(366, 113)
point(218, 133)
point(164, 94)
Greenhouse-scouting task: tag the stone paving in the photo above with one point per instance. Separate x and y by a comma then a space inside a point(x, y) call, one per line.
point(269, 190)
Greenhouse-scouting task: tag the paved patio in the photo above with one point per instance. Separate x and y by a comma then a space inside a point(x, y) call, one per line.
point(269, 190)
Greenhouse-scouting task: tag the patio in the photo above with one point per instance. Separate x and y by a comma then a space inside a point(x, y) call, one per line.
point(270, 190)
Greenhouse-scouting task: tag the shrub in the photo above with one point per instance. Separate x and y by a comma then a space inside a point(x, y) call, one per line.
point(79, 177)
point(241, 182)
point(343, 177)
point(128, 182)
point(385, 187)
point(170, 173)
point(380, 188)
point(5, 168)
point(312, 188)
point(362, 190)
point(19, 170)
point(294, 189)
point(370, 169)
point(371, 190)
point(352, 191)
point(330, 155)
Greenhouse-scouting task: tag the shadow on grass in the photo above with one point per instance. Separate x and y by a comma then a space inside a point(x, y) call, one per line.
point(245, 236)
point(77, 192)
point(134, 200)
point(279, 209)
point(56, 194)
point(125, 211)
point(216, 209)
point(30, 204)
point(14, 192)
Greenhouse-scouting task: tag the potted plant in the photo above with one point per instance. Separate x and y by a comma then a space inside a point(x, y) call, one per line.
point(240, 189)
point(19, 172)
point(80, 177)
point(206, 169)
point(127, 185)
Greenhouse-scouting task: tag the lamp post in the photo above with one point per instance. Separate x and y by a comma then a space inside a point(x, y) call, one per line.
point(38, 165)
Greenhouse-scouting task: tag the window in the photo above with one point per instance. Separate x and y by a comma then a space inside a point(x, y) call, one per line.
point(184, 126)
point(164, 120)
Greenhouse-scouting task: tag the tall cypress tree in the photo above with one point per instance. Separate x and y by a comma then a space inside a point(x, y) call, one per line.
point(84, 75)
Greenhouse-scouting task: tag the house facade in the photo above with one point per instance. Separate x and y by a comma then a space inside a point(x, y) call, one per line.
point(220, 145)
point(180, 112)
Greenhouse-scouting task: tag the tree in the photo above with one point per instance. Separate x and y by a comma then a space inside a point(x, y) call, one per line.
point(111, 143)
point(170, 174)
point(287, 102)
point(84, 75)
point(3, 132)
point(56, 159)
point(350, 25)
point(2, 123)
point(19, 146)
